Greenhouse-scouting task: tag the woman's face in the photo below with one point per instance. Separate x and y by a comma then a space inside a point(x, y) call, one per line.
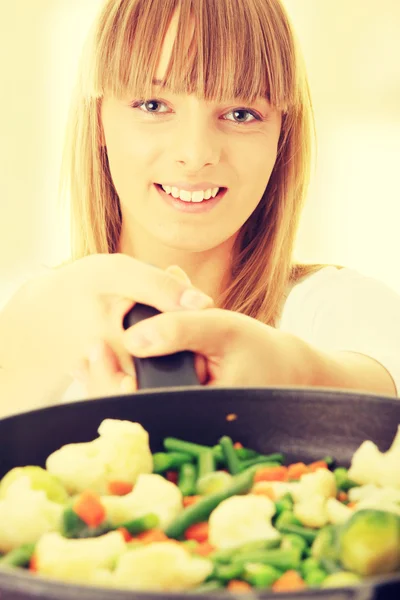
point(190, 147)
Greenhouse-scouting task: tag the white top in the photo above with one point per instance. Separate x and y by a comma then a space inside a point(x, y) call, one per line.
point(341, 309)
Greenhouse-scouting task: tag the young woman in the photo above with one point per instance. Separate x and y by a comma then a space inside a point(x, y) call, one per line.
point(189, 145)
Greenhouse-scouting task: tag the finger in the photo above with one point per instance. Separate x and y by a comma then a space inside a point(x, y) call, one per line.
point(104, 374)
point(205, 332)
point(130, 278)
point(179, 273)
point(200, 365)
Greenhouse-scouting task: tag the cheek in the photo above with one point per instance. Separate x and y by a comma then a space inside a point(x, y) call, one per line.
point(256, 162)
point(130, 154)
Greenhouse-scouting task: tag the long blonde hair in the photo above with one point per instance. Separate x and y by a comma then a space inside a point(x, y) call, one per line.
point(240, 48)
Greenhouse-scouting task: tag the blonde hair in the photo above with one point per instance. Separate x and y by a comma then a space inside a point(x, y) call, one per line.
point(240, 48)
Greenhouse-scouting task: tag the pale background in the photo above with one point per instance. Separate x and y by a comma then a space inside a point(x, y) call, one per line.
point(352, 50)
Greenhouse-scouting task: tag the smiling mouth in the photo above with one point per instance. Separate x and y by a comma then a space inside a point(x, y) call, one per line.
point(192, 197)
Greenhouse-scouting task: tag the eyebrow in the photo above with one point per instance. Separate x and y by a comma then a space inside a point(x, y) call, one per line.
point(158, 82)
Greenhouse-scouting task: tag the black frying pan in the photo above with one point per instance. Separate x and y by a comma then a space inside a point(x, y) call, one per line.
point(304, 424)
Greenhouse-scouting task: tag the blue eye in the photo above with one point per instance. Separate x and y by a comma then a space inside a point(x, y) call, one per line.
point(241, 114)
point(149, 106)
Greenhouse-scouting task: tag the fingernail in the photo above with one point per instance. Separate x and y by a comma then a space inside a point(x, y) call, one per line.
point(195, 299)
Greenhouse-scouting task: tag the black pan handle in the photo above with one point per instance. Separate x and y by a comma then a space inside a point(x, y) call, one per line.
point(173, 370)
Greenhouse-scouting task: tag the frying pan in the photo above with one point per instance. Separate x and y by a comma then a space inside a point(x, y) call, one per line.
point(304, 424)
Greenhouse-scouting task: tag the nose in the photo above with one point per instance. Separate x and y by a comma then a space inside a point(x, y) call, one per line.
point(197, 144)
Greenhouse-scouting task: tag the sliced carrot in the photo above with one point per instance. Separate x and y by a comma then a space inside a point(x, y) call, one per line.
point(119, 488)
point(296, 470)
point(271, 474)
point(203, 549)
point(152, 535)
point(318, 464)
point(342, 496)
point(263, 488)
point(189, 500)
point(89, 508)
point(238, 446)
point(172, 476)
point(127, 536)
point(289, 582)
point(33, 566)
point(352, 505)
point(197, 532)
point(236, 585)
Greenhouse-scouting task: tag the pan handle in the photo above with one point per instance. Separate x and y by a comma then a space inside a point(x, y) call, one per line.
point(173, 370)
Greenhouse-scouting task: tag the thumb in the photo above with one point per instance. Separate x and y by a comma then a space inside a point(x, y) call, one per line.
point(204, 332)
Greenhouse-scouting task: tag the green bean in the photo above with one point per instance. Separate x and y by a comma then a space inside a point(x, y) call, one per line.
point(273, 460)
point(230, 456)
point(206, 463)
point(19, 557)
point(166, 461)
point(315, 578)
point(225, 556)
point(241, 453)
point(175, 445)
point(280, 559)
point(187, 479)
point(241, 484)
point(292, 540)
point(306, 533)
point(287, 517)
point(228, 572)
point(141, 524)
point(329, 461)
point(71, 525)
point(284, 503)
point(308, 565)
point(260, 576)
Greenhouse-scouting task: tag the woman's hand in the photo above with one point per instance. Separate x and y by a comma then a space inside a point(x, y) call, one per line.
point(53, 321)
point(231, 350)
point(238, 350)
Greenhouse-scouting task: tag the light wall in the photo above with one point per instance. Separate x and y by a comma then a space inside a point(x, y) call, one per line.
point(352, 51)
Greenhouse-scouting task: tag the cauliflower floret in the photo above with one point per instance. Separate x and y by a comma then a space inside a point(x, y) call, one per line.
point(322, 482)
point(312, 511)
point(338, 512)
point(241, 519)
point(366, 464)
point(26, 514)
point(371, 496)
point(121, 453)
point(77, 560)
point(279, 488)
point(151, 494)
point(163, 566)
point(369, 465)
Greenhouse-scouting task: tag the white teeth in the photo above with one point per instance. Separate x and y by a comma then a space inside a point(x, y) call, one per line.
point(187, 196)
point(175, 192)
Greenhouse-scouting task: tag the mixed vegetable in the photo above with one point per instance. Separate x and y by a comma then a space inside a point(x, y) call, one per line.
point(199, 518)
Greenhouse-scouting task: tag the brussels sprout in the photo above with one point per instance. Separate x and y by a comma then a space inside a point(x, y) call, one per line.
point(370, 543)
point(40, 480)
point(326, 544)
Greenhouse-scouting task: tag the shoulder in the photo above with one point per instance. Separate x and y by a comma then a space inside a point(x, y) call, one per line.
point(334, 291)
